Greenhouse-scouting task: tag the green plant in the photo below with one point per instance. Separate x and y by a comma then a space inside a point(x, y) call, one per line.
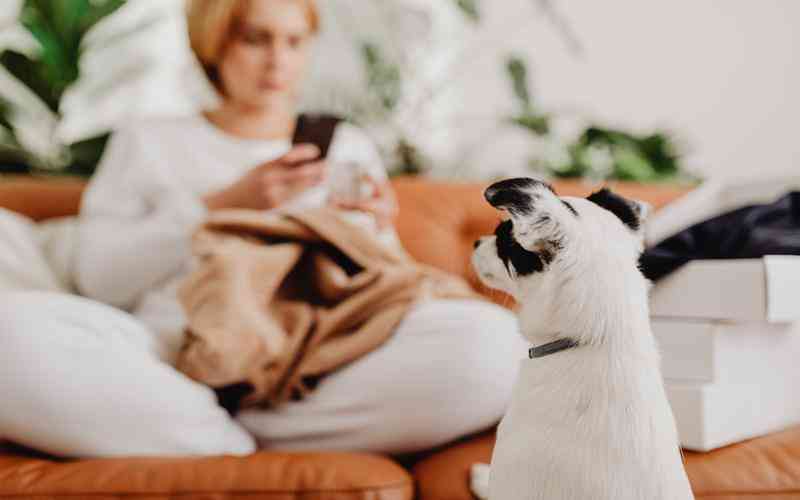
point(59, 27)
point(599, 152)
point(387, 80)
point(527, 117)
point(384, 77)
point(12, 159)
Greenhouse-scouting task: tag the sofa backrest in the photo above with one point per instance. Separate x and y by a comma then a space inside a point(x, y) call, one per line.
point(438, 222)
point(41, 198)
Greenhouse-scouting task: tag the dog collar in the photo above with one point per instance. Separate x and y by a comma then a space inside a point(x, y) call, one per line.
point(552, 348)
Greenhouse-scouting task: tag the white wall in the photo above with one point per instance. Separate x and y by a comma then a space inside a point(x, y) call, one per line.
point(724, 74)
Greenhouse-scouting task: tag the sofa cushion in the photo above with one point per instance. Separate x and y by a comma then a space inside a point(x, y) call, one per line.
point(766, 468)
point(264, 475)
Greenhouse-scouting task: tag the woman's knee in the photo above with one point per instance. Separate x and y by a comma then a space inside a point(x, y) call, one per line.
point(468, 389)
point(489, 352)
point(66, 361)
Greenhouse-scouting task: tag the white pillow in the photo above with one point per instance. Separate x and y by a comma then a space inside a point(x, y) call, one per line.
point(58, 239)
point(23, 265)
point(79, 378)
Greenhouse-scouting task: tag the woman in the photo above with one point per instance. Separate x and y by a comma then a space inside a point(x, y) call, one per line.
point(448, 369)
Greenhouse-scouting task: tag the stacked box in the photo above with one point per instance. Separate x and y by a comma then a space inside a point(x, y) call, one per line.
point(729, 338)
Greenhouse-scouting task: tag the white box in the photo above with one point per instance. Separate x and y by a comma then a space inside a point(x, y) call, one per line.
point(765, 289)
point(718, 351)
point(709, 416)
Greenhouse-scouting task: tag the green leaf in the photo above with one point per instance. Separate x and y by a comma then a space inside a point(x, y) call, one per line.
point(630, 165)
point(538, 124)
point(470, 9)
point(518, 72)
point(57, 60)
point(5, 114)
point(383, 77)
point(12, 157)
point(86, 155)
point(637, 158)
point(661, 151)
point(98, 11)
point(59, 26)
point(32, 75)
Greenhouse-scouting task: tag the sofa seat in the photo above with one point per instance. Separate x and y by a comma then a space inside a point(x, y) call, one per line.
point(263, 475)
point(766, 468)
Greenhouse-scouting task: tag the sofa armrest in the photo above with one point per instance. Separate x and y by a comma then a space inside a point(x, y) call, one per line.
point(41, 197)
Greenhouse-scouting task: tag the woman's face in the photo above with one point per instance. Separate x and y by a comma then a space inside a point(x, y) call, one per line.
point(264, 61)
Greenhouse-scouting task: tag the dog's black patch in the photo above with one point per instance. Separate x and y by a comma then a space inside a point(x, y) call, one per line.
point(570, 207)
point(510, 194)
point(618, 206)
point(508, 250)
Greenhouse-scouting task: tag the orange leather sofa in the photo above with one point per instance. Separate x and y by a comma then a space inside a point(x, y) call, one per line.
point(438, 223)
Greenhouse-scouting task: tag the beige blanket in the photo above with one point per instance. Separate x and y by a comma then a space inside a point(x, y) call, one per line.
point(279, 300)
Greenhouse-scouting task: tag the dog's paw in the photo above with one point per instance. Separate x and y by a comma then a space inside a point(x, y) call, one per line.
point(479, 480)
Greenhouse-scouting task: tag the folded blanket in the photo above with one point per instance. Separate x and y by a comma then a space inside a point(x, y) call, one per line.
point(278, 300)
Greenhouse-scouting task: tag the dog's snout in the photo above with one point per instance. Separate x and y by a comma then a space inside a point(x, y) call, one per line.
point(476, 244)
point(513, 194)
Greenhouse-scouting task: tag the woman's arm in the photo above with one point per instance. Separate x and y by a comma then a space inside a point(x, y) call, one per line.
point(135, 223)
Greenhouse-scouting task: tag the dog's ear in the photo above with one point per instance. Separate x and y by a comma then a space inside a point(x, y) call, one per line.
point(632, 213)
point(515, 195)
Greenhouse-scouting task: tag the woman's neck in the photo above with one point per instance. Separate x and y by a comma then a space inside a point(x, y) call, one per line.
point(276, 122)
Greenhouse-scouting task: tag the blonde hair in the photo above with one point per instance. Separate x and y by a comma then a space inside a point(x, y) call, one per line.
point(211, 23)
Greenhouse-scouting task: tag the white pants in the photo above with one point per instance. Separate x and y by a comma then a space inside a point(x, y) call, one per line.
point(81, 379)
point(447, 372)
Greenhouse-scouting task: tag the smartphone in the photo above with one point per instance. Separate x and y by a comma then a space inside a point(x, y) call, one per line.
point(317, 130)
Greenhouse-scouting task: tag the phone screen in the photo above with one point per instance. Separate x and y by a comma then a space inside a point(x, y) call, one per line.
point(317, 130)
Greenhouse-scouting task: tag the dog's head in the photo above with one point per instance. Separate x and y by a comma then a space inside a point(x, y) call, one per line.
point(553, 248)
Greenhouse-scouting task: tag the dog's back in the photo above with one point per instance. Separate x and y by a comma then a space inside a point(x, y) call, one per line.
point(588, 419)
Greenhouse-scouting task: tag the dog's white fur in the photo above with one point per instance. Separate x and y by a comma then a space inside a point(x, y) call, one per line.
point(590, 422)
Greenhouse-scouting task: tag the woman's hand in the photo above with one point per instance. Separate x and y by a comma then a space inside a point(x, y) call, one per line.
point(273, 183)
point(382, 204)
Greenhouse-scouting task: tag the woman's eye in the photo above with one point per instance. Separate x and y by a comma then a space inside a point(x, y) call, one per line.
point(254, 38)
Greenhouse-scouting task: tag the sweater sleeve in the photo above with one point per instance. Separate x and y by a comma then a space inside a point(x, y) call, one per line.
point(135, 223)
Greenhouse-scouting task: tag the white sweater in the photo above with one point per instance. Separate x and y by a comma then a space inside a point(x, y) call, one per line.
point(144, 202)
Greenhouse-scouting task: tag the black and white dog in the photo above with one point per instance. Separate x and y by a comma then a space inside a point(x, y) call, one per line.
point(589, 418)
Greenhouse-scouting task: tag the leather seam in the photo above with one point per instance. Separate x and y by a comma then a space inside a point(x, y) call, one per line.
point(377, 489)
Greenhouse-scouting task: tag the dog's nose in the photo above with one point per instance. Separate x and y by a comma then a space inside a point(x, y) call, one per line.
point(512, 194)
point(476, 244)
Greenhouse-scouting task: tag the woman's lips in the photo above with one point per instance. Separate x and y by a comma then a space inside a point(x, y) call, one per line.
point(271, 85)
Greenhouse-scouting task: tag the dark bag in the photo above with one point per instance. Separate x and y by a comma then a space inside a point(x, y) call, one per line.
point(746, 233)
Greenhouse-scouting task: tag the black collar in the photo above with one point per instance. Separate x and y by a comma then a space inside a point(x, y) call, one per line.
point(552, 348)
